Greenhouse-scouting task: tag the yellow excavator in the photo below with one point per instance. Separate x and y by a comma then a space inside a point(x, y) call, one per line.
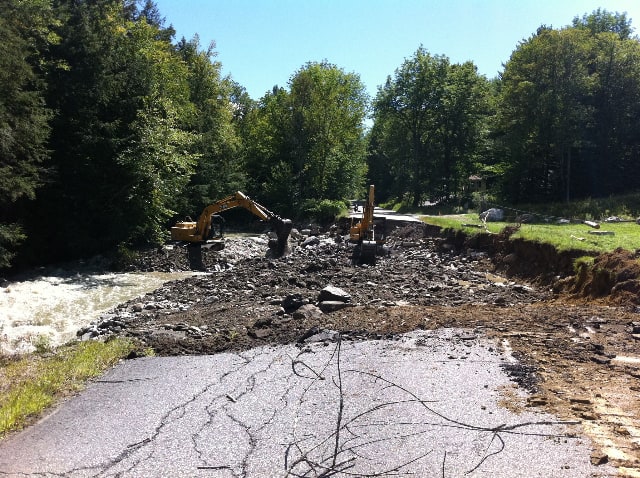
point(202, 231)
point(368, 241)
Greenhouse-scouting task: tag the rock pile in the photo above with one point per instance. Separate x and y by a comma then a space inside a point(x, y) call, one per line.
point(246, 296)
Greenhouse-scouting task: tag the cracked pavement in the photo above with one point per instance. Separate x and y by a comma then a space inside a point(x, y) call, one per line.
point(424, 404)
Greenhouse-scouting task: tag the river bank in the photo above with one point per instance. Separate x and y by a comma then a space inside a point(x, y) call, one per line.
point(47, 308)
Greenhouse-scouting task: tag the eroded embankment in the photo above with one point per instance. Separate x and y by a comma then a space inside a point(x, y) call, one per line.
point(612, 277)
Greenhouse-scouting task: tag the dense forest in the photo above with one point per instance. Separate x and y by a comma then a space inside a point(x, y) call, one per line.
point(111, 127)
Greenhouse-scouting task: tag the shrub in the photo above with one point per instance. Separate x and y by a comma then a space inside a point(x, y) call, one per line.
point(324, 211)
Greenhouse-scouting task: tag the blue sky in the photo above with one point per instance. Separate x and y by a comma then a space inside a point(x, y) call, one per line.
point(262, 43)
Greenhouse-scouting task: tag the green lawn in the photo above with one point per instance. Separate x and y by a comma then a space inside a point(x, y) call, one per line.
point(562, 236)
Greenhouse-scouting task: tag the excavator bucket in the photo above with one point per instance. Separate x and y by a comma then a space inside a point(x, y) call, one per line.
point(282, 228)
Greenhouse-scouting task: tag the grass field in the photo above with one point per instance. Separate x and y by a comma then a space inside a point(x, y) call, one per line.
point(572, 236)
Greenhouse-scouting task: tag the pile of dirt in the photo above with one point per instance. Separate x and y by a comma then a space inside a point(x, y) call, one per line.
point(243, 293)
point(613, 276)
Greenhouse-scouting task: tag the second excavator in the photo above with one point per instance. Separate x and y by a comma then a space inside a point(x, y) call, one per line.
point(368, 241)
point(202, 231)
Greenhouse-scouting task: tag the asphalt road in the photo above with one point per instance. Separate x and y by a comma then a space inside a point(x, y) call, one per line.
point(424, 405)
point(386, 213)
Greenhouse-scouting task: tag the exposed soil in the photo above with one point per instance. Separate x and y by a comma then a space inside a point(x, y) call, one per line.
point(577, 339)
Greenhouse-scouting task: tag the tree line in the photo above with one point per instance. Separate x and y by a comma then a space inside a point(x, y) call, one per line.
point(111, 129)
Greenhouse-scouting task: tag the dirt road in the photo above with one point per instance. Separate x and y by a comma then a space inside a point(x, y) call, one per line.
point(579, 358)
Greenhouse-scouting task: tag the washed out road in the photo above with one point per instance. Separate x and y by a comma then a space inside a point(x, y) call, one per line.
point(427, 404)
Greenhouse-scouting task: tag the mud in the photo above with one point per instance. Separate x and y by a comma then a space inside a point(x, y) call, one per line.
point(576, 338)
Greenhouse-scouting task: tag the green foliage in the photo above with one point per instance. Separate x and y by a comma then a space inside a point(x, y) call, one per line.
point(308, 143)
point(218, 170)
point(11, 236)
point(568, 111)
point(601, 21)
point(582, 263)
point(121, 147)
point(324, 211)
point(329, 107)
point(428, 128)
point(25, 31)
point(123, 257)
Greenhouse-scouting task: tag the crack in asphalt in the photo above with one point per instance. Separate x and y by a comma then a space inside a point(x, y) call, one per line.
point(319, 418)
point(171, 416)
point(252, 431)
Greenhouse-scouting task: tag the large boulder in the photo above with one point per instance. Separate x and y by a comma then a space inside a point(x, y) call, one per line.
point(332, 293)
point(492, 215)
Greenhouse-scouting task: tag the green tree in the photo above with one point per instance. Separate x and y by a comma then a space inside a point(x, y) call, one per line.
point(428, 126)
point(328, 111)
point(568, 105)
point(158, 158)
point(543, 111)
point(603, 21)
point(267, 136)
point(25, 32)
point(120, 148)
point(218, 171)
point(612, 161)
point(308, 144)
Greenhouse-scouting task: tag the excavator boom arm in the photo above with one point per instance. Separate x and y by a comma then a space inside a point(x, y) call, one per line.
point(237, 199)
point(198, 232)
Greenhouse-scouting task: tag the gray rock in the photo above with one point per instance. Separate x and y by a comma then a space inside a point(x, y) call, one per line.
point(88, 336)
point(310, 241)
point(293, 302)
point(295, 234)
point(331, 293)
point(307, 311)
point(259, 333)
point(492, 215)
point(137, 307)
point(323, 336)
point(331, 305)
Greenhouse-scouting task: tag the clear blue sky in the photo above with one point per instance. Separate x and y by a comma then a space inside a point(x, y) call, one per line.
point(262, 43)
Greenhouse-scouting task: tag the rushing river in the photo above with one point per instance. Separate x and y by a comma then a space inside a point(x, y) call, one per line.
point(51, 307)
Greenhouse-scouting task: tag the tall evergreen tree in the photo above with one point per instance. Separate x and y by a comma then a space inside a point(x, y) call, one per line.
point(119, 146)
point(24, 36)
